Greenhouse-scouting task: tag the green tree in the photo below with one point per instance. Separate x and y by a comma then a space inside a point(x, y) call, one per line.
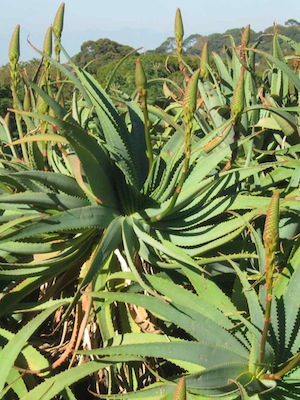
point(100, 52)
point(292, 22)
point(5, 98)
point(191, 41)
point(154, 66)
point(168, 46)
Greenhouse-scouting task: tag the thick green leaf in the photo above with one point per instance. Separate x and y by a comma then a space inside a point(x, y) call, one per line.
point(217, 380)
point(256, 317)
point(53, 386)
point(50, 200)
point(16, 383)
point(33, 358)
point(282, 66)
point(71, 220)
point(109, 242)
point(202, 354)
point(10, 352)
point(54, 180)
point(91, 155)
point(113, 128)
point(291, 315)
point(130, 243)
point(176, 294)
point(204, 330)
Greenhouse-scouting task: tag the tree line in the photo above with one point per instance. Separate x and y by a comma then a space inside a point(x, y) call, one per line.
point(101, 56)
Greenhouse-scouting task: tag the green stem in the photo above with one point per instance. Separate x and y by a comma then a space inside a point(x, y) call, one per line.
point(17, 106)
point(269, 284)
point(183, 69)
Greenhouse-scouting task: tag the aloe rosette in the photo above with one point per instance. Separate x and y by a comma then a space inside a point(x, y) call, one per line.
point(121, 213)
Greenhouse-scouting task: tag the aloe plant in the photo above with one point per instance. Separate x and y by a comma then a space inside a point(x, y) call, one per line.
point(222, 356)
point(106, 209)
point(229, 344)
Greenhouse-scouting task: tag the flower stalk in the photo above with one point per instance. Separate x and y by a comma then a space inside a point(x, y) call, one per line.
point(58, 25)
point(57, 29)
point(179, 33)
point(189, 108)
point(14, 55)
point(271, 238)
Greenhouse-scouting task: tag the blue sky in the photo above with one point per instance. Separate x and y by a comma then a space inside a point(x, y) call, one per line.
point(134, 22)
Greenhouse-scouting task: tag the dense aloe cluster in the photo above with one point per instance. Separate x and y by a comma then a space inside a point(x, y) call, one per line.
point(147, 251)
